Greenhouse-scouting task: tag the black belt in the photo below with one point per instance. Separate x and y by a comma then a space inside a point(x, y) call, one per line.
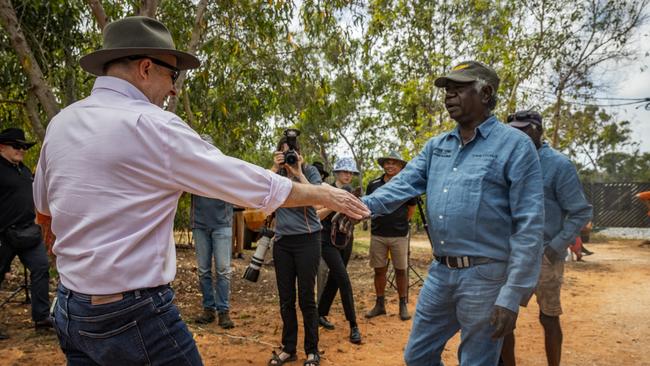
point(463, 262)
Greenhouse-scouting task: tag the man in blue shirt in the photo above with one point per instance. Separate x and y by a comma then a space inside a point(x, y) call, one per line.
point(485, 210)
point(212, 230)
point(566, 212)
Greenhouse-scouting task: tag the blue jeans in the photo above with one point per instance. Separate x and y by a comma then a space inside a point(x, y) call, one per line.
point(453, 300)
point(144, 327)
point(35, 259)
point(217, 244)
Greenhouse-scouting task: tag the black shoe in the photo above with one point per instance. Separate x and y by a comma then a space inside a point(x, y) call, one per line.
point(325, 323)
point(379, 308)
point(403, 310)
point(206, 318)
point(224, 320)
point(44, 324)
point(355, 335)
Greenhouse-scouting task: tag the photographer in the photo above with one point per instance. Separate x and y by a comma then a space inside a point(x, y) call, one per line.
point(337, 255)
point(296, 254)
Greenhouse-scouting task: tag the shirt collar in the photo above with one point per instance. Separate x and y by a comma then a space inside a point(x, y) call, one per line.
point(120, 86)
point(483, 129)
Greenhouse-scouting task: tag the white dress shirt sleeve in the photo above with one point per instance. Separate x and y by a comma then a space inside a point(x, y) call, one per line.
point(39, 188)
point(197, 167)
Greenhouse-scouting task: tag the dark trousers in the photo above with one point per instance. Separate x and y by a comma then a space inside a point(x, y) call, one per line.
point(144, 328)
point(35, 259)
point(337, 261)
point(297, 257)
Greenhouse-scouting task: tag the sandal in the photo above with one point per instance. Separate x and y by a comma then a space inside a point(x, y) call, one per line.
point(277, 361)
point(314, 361)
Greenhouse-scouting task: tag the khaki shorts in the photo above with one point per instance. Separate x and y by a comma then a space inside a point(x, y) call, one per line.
point(379, 247)
point(549, 286)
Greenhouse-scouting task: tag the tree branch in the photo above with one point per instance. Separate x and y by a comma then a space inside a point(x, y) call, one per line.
point(99, 13)
point(194, 42)
point(30, 66)
point(148, 8)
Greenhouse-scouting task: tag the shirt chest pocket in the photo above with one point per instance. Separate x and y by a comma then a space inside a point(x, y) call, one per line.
point(478, 175)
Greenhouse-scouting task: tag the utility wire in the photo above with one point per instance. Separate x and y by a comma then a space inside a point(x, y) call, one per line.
point(628, 101)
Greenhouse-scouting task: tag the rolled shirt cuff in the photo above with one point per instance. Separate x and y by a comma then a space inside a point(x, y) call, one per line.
point(280, 190)
point(510, 298)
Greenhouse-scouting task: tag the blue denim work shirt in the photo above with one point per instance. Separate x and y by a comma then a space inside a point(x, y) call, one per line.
point(565, 207)
point(484, 198)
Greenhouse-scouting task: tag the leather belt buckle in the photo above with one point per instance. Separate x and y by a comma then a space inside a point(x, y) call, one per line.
point(458, 262)
point(105, 299)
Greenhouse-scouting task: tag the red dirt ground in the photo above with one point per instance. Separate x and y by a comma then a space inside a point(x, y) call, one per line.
point(605, 300)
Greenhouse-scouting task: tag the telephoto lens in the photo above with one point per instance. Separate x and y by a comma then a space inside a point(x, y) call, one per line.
point(252, 272)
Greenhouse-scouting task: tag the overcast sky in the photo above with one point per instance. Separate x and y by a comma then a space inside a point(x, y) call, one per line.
point(627, 81)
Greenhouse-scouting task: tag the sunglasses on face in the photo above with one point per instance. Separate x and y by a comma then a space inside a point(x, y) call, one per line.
point(18, 146)
point(523, 116)
point(175, 71)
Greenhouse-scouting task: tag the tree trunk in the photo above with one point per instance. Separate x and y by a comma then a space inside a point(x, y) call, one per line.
point(31, 109)
point(148, 8)
point(188, 110)
point(194, 42)
point(99, 13)
point(30, 66)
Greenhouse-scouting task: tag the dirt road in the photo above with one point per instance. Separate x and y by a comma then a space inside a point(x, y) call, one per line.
point(606, 302)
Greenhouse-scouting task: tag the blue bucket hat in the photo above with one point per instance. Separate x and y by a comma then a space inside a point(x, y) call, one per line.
point(346, 164)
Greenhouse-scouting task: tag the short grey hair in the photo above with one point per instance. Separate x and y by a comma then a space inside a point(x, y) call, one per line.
point(479, 84)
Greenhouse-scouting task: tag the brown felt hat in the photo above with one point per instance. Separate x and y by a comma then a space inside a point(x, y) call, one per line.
point(135, 36)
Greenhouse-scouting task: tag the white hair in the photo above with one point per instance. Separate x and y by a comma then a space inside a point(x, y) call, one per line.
point(479, 84)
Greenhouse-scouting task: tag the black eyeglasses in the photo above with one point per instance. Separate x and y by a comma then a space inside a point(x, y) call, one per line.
point(176, 72)
point(524, 116)
point(18, 146)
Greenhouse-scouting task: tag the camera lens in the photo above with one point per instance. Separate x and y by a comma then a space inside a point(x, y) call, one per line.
point(290, 157)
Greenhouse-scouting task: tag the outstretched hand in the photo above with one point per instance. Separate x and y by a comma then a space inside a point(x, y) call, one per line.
point(504, 321)
point(345, 202)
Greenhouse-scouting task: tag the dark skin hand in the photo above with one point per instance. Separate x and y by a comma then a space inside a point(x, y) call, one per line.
point(503, 320)
point(552, 255)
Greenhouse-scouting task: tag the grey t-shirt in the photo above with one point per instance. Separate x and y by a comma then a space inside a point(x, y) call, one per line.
point(210, 213)
point(299, 220)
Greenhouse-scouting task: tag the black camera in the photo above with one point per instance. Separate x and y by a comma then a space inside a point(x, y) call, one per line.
point(291, 156)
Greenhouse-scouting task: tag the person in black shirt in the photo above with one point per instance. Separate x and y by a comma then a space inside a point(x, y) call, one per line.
point(337, 255)
point(390, 232)
point(17, 211)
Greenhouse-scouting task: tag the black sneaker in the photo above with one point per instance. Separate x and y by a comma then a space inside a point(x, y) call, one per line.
point(355, 335)
point(3, 334)
point(45, 324)
point(325, 323)
point(224, 320)
point(206, 318)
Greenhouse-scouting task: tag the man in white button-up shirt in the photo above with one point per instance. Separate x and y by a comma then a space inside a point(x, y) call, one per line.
point(110, 174)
